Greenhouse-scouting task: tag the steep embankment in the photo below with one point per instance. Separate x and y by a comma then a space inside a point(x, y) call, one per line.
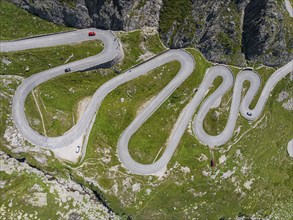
point(224, 31)
point(267, 33)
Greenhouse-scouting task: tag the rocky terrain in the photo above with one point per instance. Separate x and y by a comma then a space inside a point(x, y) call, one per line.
point(114, 15)
point(233, 31)
point(74, 198)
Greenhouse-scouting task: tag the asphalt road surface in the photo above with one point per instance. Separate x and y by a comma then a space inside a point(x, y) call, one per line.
point(112, 50)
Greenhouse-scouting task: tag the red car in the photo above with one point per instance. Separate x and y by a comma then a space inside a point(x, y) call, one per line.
point(92, 33)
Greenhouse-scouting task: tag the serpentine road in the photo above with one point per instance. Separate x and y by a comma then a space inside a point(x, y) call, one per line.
point(111, 54)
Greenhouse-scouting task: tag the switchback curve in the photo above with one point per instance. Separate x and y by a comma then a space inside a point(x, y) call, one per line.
point(112, 51)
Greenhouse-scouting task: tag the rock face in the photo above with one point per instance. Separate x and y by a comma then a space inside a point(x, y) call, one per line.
point(232, 31)
point(104, 14)
point(84, 201)
point(265, 38)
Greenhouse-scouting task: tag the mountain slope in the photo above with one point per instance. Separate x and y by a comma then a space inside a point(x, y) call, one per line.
point(233, 31)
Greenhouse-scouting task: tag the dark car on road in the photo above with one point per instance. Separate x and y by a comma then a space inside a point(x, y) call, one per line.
point(67, 70)
point(248, 113)
point(212, 163)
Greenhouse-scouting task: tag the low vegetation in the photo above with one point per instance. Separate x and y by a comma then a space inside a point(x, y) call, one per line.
point(23, 63)
point(176, 14)
point(61, 114)
point(151, 137)
point(31, 25)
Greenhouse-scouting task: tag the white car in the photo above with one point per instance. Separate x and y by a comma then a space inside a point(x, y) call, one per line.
point(77, 149)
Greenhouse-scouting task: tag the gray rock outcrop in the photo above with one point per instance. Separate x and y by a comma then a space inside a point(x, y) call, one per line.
point(233, 31)
point(266, 38)
point(104, 14)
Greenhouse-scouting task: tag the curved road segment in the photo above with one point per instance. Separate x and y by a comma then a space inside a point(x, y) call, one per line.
point(250, 114)
point(188, 112)
point(112, 51)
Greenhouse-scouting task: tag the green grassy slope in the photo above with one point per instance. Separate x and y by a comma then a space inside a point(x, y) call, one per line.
point(23, 63)
point(61, 114)
point(11, 16)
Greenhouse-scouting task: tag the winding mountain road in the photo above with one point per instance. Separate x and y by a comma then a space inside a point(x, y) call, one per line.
point(111, 53)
